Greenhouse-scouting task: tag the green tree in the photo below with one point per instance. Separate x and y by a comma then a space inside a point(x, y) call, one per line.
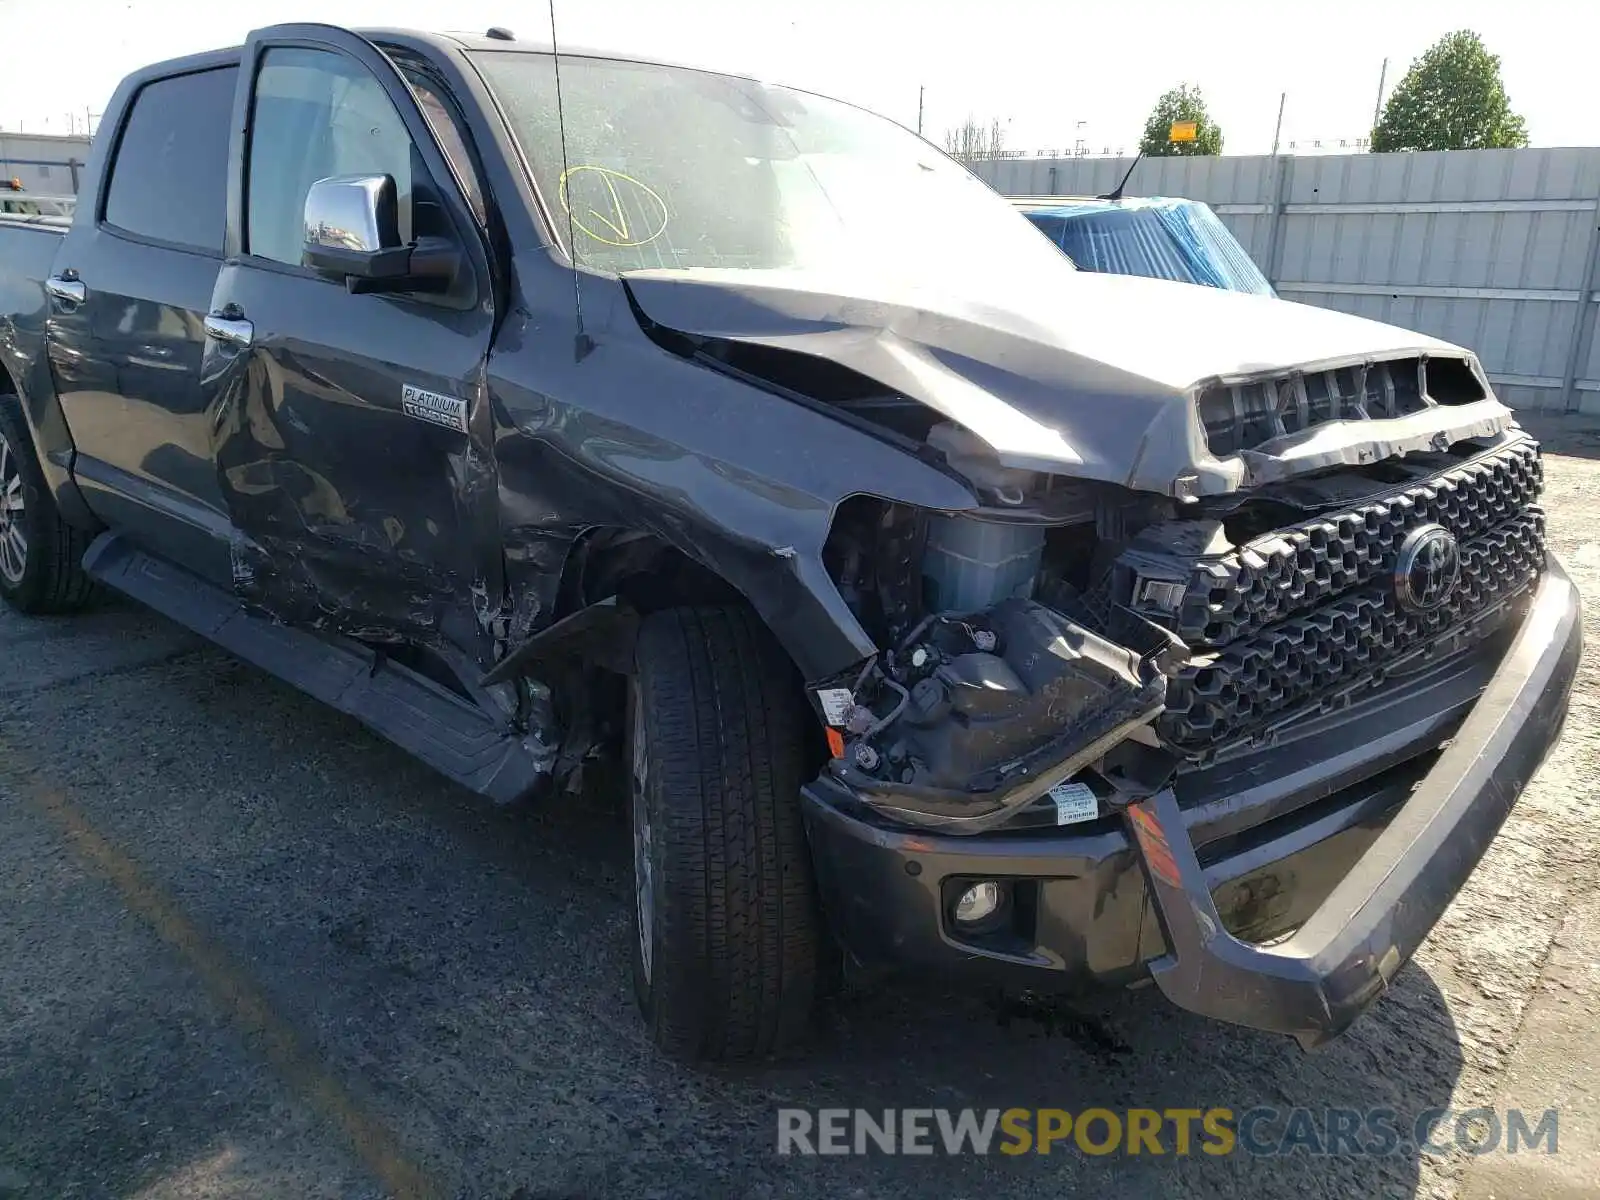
point(1182, 103)
point(1450, 99)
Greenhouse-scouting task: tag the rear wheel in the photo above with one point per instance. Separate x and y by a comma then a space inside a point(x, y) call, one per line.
point(725, 957)
point(40, 554)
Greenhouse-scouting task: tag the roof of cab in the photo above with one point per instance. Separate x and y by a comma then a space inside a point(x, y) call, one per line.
point(479, 42)
point(206, 60)
point(421, 41)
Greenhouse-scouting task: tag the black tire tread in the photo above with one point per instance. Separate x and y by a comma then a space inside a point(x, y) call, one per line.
point(738, 934)
point(54, 581)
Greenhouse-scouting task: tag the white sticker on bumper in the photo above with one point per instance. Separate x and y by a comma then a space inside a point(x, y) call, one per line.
point(1074, 802)
point(836, 704)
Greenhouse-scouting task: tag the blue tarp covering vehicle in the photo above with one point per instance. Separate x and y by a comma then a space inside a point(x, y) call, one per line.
point(1158, 237)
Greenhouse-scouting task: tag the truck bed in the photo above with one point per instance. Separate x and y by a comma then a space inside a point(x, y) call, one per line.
point(29, 221)
point(28, 248)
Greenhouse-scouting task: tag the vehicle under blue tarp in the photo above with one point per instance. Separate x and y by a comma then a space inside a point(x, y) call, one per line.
point(1158, 237)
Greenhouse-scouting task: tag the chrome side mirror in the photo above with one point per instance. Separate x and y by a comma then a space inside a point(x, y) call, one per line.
point(352, 232)
point(352, 213)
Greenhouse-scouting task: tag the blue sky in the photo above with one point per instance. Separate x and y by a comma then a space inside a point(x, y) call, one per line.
point(1041, 66)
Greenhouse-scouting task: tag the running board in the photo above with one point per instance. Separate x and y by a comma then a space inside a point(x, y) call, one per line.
point(475, 748)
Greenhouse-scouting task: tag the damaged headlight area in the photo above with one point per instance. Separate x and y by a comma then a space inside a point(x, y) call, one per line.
point(1063, 627)
point(994, 682)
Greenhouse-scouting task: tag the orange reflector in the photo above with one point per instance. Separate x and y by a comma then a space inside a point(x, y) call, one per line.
point(835, 742)
point(1153, 841)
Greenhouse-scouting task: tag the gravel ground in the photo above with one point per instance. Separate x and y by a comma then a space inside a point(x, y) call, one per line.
point(249, 950)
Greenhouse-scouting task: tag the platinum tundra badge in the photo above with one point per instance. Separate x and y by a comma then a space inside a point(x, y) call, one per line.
point(433, 408)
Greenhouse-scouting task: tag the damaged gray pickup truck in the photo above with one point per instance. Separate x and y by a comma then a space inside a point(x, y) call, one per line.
point(942, 603)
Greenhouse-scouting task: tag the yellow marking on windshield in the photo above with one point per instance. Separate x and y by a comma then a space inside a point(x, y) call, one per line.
point(618, 232)
point(620, 226)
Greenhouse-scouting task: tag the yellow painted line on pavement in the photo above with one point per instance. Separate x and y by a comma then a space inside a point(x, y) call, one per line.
point(377, 1147)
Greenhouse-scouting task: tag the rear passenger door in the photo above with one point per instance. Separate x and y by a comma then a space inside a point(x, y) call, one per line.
point(126, 333)
point(357, 506)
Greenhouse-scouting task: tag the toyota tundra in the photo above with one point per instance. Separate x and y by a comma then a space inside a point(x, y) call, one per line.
point(948, 609)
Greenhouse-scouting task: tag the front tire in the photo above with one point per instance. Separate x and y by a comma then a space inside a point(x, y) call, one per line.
point(40, 554)
point(727, 929)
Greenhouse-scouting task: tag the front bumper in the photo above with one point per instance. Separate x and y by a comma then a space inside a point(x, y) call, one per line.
point(1357, 854)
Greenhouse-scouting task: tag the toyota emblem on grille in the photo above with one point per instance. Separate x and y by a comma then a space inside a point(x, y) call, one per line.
point(1426, 572)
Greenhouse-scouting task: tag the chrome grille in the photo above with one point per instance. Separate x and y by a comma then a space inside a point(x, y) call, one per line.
point(1234, 595)
point(1329, 655)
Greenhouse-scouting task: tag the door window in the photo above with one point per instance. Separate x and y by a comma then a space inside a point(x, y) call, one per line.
point(317, 114)
point(441, 118)
point(169, 180)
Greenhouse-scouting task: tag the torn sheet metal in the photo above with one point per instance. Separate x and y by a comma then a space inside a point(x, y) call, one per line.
point(1095, 380)
point(739, 480)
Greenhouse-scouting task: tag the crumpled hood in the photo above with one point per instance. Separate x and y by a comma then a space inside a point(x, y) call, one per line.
point(1084, 374)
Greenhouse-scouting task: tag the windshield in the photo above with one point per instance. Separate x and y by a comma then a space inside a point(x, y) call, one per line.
point(677, 168)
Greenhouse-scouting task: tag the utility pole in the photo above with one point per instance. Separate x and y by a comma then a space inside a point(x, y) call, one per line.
point(1277, 130)
point(1377, 108)
point(920, 91)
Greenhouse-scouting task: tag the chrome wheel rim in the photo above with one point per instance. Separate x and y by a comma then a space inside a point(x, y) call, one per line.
point(13, 507)
point(644, 896)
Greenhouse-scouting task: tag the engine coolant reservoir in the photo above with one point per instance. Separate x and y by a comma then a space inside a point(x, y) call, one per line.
point(970, 564)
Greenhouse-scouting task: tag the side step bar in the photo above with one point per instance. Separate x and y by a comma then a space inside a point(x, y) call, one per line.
point(470, 745)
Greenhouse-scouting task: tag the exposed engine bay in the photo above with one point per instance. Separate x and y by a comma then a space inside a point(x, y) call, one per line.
point(1068, 625)
point(1163, 569)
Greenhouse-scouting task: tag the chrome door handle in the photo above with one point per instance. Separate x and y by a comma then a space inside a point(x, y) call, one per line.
point(231, 330)
point(69, 291)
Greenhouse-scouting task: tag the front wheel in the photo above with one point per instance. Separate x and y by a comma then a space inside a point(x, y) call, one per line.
point(40, 554)
point(725, 957)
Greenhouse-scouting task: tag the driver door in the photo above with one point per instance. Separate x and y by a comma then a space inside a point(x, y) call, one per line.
point(352, 430)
